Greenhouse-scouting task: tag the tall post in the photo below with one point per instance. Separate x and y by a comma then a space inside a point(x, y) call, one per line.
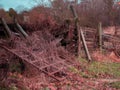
point(77, 29)
point(100, 36)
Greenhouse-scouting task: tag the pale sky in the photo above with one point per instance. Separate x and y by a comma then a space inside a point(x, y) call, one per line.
point(19, 4)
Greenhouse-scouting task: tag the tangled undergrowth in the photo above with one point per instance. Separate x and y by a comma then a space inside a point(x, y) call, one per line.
point(93, 75)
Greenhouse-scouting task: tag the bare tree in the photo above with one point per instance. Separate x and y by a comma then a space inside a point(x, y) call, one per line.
point(97, 10)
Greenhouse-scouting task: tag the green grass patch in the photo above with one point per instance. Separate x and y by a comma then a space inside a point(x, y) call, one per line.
point(104, 68)
point(97, 69)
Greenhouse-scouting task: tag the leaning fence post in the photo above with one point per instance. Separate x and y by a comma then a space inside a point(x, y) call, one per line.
point(7, 29)
point(100, 36)
point(85, 46)
point(25, 35)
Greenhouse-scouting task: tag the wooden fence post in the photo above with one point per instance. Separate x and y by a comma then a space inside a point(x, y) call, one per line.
point(100, 36)
point(21, 31)
point(85, 46)
point(77, 29)
point(7, 29)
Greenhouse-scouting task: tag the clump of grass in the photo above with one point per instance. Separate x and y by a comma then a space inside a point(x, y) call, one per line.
point(3, 88)
point(115, 85)
point(9, 88)
point(13, 87)
point(16, 66)
point(73, 69)
point(46, 88)
point(79, 72)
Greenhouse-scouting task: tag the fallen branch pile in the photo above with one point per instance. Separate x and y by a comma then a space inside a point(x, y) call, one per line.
point(41, 51)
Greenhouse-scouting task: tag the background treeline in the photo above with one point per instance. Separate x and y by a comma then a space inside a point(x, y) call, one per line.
point(90, 13)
